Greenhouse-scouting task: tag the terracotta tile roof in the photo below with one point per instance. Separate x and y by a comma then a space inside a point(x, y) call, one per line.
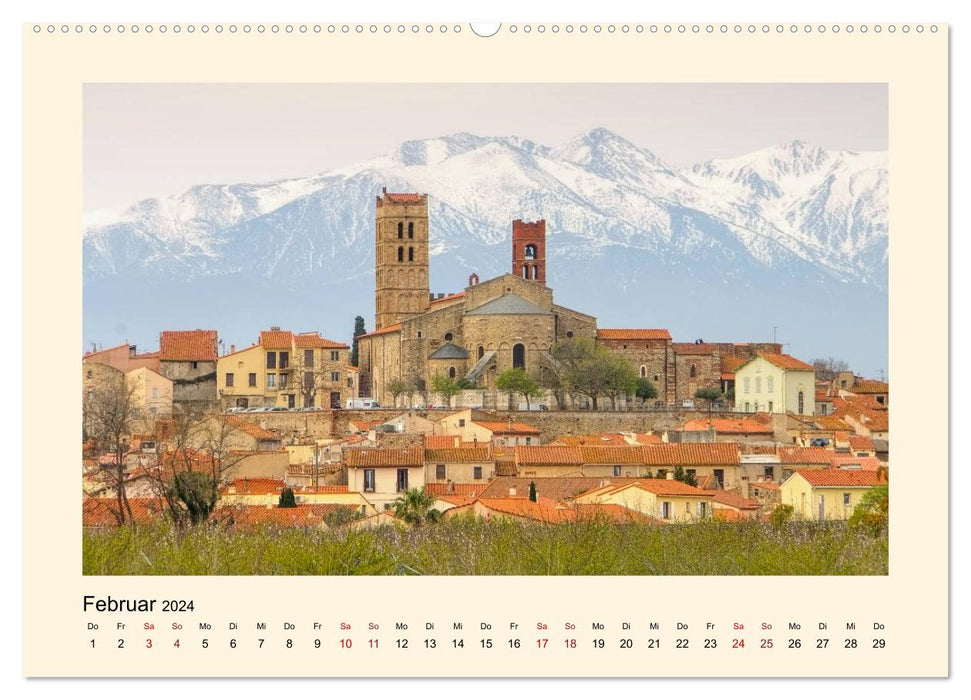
point(556, 488)
point(705, 482)
point(303, 515)
point(633, 334)
point(838, 477)
point(276, 339)
point(459, 454)
point(768, 485)
point(804, 455)
point(544, 509)
point(783, 361)
point(870, 386)
point(694, 348)
point(371, 457)
point(664, 487)
point(505, 468)
point(860, 442)
point(252, 487)
point(441, 442)
point(323, 488)
point(507, 428)
point(691, 454)
point(314, 340)
point(647, 439)
point(453, 489)
point(830, 422)
point(99, 512)
point(548, 454)
point(393, 328)
point(188, 345)
point(93, 353)
point(402, 197)
point(613, 512)
point(730, 363)
point(455, 500)
point(733, 500)
point(729, 426)
point(600, 439)
point(251, 429)
point(450, 297)
point(846, 462)
point(823, 395)
point(628, 454)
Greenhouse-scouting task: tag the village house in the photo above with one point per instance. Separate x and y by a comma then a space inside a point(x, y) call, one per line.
point(827, 494)
point(188, 358)
point(285, 369)
point(775, 383)
point(733, 429)
point(667, 500)
point(480, 427)
point(459, 465)
point(123, 357)
point(384, 474)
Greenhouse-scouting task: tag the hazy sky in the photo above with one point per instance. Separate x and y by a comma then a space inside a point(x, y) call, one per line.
point(149, 140)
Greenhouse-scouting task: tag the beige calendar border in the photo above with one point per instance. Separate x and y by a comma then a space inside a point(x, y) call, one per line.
point(913, 599)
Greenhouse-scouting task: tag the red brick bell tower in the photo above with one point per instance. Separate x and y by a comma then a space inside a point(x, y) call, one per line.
point(529, 250)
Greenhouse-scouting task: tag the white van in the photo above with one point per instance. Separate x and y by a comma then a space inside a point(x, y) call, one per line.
point(357, 404)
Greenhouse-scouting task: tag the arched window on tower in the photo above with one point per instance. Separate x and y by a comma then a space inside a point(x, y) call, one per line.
point(411, 229)
point(519, 356)
point(525, 272)
point(411, 254)
point(401, 253)
point(400, 229)
point(530, 252)
point(451, 373)
point(534, 272)
point(694, 371)
point(481, 352)
point(801, 402)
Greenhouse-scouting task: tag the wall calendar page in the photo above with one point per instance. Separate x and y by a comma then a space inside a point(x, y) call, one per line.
point(521, 350)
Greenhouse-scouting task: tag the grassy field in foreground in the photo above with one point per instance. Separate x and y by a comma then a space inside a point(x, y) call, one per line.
point(466, 546)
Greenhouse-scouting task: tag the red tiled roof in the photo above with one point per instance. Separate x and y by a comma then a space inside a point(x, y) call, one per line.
point(402, 197)
point(691, 454)
point(441, 442)
point(252, 487)
point(665, 487)
point(100, 512)
point(730, 426)
point(251, 429)
point(633, 334)
point(323, 488)
point(303, 515)
point(453, 489)
point(556, 488)
point(733, 500)
point(804, 455)
point(628, 454)
point(861, 442)
point(458, 454)
point(188, 345)
point(507, 428)
point(600, 439)
point(393, 328)
point(730, 363)
point(839, 477)
point(768, 485)
point(276, 339)
point(830, 422)
point(314, 340)
point(870, 464)
point(548, 454)
point(450, 297)
point(647, 439)
point(371, 457)
point(784, 361)
point(870, 386)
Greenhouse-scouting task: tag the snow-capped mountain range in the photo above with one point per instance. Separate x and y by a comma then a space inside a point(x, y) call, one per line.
point(626, 232)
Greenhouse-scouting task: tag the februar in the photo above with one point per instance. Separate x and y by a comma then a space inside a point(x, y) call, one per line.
point(110, 604)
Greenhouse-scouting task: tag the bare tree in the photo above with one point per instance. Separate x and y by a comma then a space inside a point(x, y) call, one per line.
point(108, 413)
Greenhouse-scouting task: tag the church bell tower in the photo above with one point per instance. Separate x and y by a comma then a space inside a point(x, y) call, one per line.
point(529, 250)
point(400, 257)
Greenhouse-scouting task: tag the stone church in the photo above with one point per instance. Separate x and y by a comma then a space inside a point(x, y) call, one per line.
point(502, 323)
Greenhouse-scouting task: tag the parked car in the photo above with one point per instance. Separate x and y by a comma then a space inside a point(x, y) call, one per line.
point(687, 403)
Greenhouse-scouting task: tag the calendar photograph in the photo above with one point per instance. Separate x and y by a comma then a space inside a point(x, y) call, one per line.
point(485, 329)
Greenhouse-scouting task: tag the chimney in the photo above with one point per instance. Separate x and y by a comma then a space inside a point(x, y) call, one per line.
point(274, 328)
point(512, 491)
point(132, 351)
point(232, 349)
point(384, 190)
point(431, 296)
point(669, 475)
point(473, 279)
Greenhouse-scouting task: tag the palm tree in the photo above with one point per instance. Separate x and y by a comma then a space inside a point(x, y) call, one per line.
point(415, 507)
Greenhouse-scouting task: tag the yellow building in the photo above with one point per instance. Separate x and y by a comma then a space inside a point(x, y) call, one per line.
point(775, 384)
point(667, 500)
point(384, 474)
point(459, 465)
point(151, 393)
point(285, 369)
point(827, 494)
